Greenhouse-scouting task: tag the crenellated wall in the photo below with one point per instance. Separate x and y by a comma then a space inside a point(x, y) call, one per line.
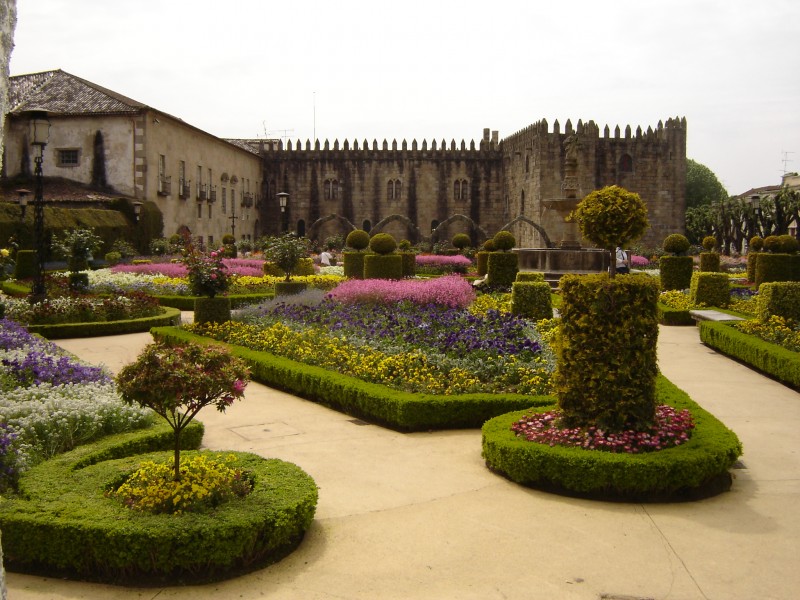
point(492, 183)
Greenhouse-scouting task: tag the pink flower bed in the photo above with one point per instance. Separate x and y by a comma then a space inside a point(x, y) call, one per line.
point(436, 260)
point(639, 261)
point(238, 266)
point(452, 291)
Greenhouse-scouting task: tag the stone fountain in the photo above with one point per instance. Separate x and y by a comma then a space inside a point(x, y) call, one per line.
point(567, 255)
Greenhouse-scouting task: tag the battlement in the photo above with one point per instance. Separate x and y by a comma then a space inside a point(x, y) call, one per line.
point(662, 131)
point(486, 148)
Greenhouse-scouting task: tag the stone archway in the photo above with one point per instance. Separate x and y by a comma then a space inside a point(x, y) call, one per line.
point(315, 226)
point(536, 226)
point(477, 230)
point(413, 230)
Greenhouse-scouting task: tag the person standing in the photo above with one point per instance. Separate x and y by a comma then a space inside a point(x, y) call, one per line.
point(623, 261)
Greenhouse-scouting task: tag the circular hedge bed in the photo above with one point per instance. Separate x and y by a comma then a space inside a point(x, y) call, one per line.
point(62, 524)
point(697, 469)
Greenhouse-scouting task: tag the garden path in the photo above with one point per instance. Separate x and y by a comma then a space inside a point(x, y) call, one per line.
point(418, 516)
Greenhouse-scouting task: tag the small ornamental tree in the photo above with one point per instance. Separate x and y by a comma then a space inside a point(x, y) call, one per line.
point(208, 276)
point(358, 239)
point(77, 246)
point(286, 251)
point(504, 241)
point(461, 241)
point(611, 217)
point(176, 382)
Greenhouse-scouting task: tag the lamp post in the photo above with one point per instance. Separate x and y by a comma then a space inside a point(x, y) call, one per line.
point(23, 201)
point(283, 201)
point(137, 210)
point(39, 134)
point(233, 218)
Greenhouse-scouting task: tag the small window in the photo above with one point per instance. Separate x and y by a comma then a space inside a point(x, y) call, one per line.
point(224, 201)
point(331, 189)
point(626, 163)
point(69, 157)
point(461, 189)
point(393, 189)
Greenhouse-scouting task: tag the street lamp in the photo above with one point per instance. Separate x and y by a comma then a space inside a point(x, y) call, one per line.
point(39, 134)
point(137, 209)
point(23, 201)
point(283, 201)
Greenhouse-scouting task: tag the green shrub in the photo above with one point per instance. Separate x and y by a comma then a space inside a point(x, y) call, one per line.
point(771, 243)
point(354, 264)
point(504, 241)
point(531, 276)
point(304, 267)
point(781, 299)
point(676, 244)
point(698, 468)
point(113, 258)
point(787, 244)
point(228, 239)
point(212, 310)
point(26, 264)
point(606, 368)
point(383, 266)
point(709, 243)
point(461, 241)
point(710, 289)
point(752, 265)
point(382, 243)
point(358, 239)
point(489, 246)
point(774, 267)
point(675, 272)
point(668, 315)
point(502, 268)
point(141, 261)
point(169, 316)
point(289, 288)
point(78, 282)
point(756, 243)
point(404, 245)
point(775, 361)
point(531, 299)
point(409, 263)
point(482, 262)
point(709, 262)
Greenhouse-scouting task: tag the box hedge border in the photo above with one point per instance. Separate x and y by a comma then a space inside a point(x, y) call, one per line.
point(673, 316)
point(396, 409)
point(61, 524)
point(770, 359)
point(694, 470)
point(168, 316)
point(237, 300)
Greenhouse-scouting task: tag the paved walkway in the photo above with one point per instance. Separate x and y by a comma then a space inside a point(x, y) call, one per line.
point(418, 516)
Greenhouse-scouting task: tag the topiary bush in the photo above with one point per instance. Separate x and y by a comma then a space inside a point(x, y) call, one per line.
point(787, 244)
point(756, 243)
point(675, 272)
point(290, 288)
point(212, 310)
point(482, 263)
point(26, 264)
point(358, 239)
point(382, 243)
point(709, 262)
point(606, 367)
point(774, 267)
point(489, 246)
point(781, 299)
point(771, 243)
point(531, 276)
point(383, 266)
point(676, 244)
point(113, 258)
point(353, 264)
point(461, 241)
point(504, 241)
point(752, 265)
point(709, 243)
point(404, 245)
point(502, 268)
point(710, 289)
point(409, 263)
point(531, 299)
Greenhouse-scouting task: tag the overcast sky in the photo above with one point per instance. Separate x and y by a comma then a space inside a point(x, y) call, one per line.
point(428, 69)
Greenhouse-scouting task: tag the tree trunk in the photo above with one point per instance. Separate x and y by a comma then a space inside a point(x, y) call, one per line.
point(177, 455)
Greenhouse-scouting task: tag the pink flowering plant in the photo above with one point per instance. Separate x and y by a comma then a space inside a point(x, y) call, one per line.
point(671, 428)
point(208, 275)
point(178, 381)
point(451, 291)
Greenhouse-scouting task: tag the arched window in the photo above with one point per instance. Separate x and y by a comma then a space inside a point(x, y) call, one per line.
point(393, 189)
point(626, 164)
point(464, 189)
point(461, 189)
point(434, 224)
point(331, 189)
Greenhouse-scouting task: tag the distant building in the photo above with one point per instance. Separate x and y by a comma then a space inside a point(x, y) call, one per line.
point(418, 191)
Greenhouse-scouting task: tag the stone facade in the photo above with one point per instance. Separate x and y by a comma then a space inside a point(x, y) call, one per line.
point(432, 191)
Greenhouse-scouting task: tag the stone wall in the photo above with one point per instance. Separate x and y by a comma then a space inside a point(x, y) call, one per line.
point(8, 21)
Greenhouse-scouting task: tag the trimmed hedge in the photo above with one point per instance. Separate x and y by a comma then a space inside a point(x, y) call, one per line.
point(212, 310)
point(63, 524)
point(354, 264)
point(711, 289)
point(237, 300)
point(675, 272)
point(533, 276)
point(383, 266)
point(709, 262)
point(502, 268)
point(396, 409)
point(770, 359)
point(169, 316)
point(774, 267)
point(752, 265)
point(781, 298)
point(409, 263)
point(289, 288)
point(698, 468)
point(673, 316)
point(482, 262)
point(531, 299)
point(25, 266)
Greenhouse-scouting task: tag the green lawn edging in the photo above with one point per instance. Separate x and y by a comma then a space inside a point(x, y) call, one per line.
point(698, 468)
point(403, 411)
point(768, 358)
point(169, 316)
point(62, 524)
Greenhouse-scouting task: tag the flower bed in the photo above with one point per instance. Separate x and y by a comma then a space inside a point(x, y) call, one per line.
point(435, 264)
point(694, 469)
